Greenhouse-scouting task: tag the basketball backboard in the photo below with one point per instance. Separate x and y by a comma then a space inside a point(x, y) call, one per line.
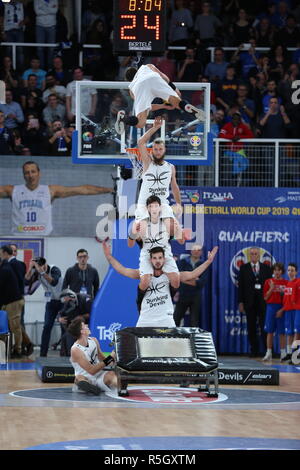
point(188, 141)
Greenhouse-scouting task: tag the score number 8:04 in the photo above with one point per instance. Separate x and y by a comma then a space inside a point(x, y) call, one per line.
point(150, 5)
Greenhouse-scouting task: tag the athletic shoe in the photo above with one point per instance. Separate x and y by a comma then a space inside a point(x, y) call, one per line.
point(119, 125)
point(267, 357)
point(199, 113)
point(29, 349)
point(88, 388)
point(287, 357)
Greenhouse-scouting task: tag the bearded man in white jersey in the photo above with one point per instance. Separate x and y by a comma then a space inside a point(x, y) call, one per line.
point(151, 90)
point(156, 306)
point(89, 361)
point(32, 202)
point(157, 178)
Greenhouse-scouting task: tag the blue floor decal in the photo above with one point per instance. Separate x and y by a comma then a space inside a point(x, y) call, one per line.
point(173, 443)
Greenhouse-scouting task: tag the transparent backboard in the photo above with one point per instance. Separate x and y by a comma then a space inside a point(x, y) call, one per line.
point(188, 140)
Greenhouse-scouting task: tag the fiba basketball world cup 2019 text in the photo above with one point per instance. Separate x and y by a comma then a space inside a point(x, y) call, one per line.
point(192, 218)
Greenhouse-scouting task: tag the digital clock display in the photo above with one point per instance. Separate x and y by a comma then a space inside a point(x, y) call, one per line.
point(139, 26)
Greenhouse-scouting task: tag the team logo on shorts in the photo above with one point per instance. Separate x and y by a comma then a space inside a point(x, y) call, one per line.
point(87, 136)
point(195, 141)
point(243, 257)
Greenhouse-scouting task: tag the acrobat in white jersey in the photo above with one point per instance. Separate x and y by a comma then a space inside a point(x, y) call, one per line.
point(152, 90)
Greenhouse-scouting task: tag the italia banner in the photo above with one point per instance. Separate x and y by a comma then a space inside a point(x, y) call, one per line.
point(237, 219)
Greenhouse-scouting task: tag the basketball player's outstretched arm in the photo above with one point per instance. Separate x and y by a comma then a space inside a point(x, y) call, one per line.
point(142, 142)
point(190, 275)
point(6, 191)
point(127, 272)
point(57, 191)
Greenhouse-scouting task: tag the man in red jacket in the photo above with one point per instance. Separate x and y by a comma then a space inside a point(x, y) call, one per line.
point(291, 306)
point(234, 131)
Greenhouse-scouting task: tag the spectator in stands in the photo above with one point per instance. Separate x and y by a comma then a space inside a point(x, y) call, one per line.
point(285, 90)
point(279, 61)
point(264, 33)
point(13, 113)
point(219, 117)
point(227, 88)
point(54, 111)
point(59, 144)
point(9, 75)
point(275, 123)
point(280, 15)
point(166, 64)
point(91, 13)
point(18, 145)
point(190, 68)
point(181, 23)
point(216, 70)
point(247, 58)
point(45, 28)
point(88, 97)
point(236, 130)
point(270, 92)
point(241, 30)
point(6, 139)
point(35, 69)
point(52, 87)
point(288, 36)
point(207, 25)
point(263, 65)
point(229, 11)
point(30, 89)
point(13, 18)
point(62, 76)
point(34, 135)
point(246, 106)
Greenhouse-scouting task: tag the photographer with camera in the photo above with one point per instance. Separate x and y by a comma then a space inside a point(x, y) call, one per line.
point(39, 272)
point(59, 144)
point(74, 305)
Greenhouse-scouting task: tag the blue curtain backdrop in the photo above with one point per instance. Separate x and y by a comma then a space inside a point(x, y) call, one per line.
point(235, 219)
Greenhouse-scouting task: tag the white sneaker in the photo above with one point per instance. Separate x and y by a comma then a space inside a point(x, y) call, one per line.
point(199, 113)
point(268, 357)
point(119, 125)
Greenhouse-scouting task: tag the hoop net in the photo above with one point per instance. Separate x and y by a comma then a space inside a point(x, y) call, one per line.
point(134, 155)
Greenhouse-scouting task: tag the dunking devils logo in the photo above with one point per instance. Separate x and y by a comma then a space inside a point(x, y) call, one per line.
point(155, 289)
point(93, 356)
point(154, 241)
point(157, 179)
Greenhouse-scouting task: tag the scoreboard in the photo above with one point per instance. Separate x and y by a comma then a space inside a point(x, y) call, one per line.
point(139, 26)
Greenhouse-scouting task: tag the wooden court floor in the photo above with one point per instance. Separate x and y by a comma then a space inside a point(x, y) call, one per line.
point(28, 422)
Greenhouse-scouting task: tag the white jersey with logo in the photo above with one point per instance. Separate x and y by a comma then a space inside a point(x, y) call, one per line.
point(157, 307)
point(147, 85)
point(31, 211)
point(156, 235)
point(91, 354)
point(156, 181)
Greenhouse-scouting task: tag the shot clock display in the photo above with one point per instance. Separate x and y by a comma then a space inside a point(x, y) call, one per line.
point(139, 26)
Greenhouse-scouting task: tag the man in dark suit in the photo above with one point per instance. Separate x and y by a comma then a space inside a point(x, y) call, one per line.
point(11, 300)
point(251, 279)
point(20, 270)
point(9, 253)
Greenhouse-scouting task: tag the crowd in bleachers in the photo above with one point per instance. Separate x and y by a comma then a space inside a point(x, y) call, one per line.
point(37, 118)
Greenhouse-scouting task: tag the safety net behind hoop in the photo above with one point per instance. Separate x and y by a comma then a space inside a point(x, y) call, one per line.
point(134, 155)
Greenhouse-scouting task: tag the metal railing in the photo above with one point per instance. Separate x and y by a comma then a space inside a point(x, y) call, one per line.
point(248, 162)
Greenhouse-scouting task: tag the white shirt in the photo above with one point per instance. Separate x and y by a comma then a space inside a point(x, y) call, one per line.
point(31, 211)
point(91, 354)
point(157, 307)
point(85, 97)
point(156, 182)
point(13, 14)
point(45, 11)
